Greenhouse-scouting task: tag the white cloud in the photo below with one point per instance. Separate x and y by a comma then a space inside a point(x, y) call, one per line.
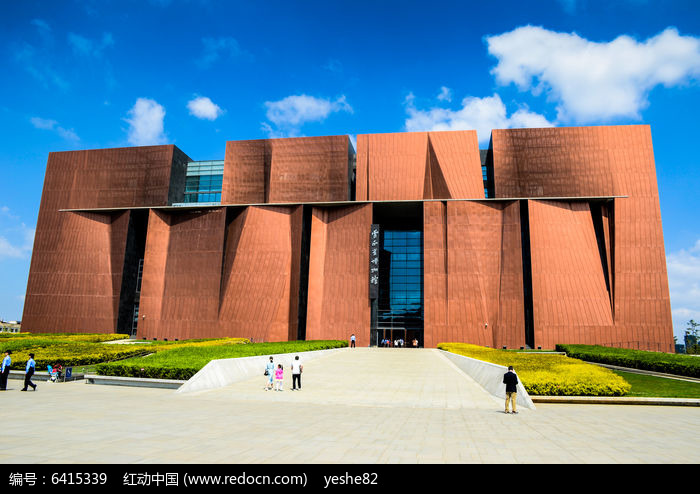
point(16, 238)
point(52, 125)
point(146, 123)
point(593, 81)
point(445, 94)
point(87, 47)
point(480, 114)
point(290, 113)
point(217, 48)
point(204, 108)
point(38, 60)
point(683, 268)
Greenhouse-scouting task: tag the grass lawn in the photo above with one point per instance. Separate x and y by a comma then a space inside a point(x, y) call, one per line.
point(659, 387)
point(185, 360)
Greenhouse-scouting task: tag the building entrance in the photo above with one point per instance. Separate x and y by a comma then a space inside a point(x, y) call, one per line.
point(397, 310)
point(399, 338)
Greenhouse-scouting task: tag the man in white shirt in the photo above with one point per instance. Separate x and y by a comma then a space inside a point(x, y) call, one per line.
point(296, 373)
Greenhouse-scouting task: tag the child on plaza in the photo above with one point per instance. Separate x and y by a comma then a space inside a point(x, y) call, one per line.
point(279, 376)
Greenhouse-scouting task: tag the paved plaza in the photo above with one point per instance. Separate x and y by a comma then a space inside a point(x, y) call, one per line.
point(363, 405)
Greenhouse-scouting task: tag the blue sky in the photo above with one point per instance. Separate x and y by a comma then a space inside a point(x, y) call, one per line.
point(196, 73)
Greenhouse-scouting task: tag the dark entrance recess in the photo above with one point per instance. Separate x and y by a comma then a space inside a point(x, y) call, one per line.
point(130, 292)
point(527, 274)
point(397, 312)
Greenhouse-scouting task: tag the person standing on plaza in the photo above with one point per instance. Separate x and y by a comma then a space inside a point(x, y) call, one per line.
point(510, 379)
point(296, 373)
point(5, 370)
point(29, 372)
point(279, 377)
point(269, 373)
point(352, 341)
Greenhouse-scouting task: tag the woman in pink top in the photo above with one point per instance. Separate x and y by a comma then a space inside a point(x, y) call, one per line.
point(279, 375)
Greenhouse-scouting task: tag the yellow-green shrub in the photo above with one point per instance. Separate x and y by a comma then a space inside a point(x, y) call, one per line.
point(547, 374)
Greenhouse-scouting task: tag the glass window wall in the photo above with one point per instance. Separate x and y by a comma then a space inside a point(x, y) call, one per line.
point(400, 303)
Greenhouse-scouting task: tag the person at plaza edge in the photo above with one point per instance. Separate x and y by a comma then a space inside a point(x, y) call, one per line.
point(352, 341)
point(29, 372)
point(5, 370)
point(270, 374)
point(510, 379)
point(296, 373)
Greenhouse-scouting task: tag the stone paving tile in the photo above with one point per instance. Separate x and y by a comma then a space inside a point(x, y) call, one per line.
point(357, 406)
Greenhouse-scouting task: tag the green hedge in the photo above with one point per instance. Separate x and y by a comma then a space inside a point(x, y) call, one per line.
point(184, 362)
point(668, 363)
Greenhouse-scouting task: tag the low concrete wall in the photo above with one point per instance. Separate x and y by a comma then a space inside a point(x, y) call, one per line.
point(220, 373)
point(490, 377)
point(134, 381)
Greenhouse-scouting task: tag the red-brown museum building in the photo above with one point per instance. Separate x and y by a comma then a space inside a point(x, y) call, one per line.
point(550, 236)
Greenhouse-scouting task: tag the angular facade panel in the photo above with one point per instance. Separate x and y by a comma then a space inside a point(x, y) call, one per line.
point(302, 169)
point(473, 273)
point(602, 161)
point(76, 274)
point(418, 165)
point(182, 271)
point(570, 292)
point(339, 274)
point(260, 291)
point(73, 250)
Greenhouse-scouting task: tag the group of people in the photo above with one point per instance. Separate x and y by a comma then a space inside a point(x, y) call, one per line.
point(28, 371)
point(274, 375)
point(398, 343)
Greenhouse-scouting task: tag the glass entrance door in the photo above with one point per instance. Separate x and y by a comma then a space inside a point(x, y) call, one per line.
point(400, 302)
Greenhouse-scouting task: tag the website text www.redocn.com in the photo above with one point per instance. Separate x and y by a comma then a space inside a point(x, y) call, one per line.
point(243, 479)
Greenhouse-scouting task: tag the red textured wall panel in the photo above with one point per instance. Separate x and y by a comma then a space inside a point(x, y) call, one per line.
point(418, 165)
point(571, 302)
point(260, 290)
point(473, 273)
point(455, 156)
point(208, 276)
point(602, 161)
point(181, 275)
point(76, 274)
point(153, 276)
point(435, 306)
point(339, 274)
point(303, 169)
point(76, 269)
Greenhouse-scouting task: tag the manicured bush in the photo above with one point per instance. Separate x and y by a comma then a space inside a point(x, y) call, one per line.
point(550, 375)
point(669, 363)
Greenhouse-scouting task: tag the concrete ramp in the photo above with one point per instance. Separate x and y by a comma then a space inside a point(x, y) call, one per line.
point(377, 377)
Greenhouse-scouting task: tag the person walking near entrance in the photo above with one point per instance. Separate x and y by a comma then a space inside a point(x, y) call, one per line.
point(269, 373)
point(511, 382)
point(5, 370)
point(352, 341)
point(29, 372)
point(296, 373)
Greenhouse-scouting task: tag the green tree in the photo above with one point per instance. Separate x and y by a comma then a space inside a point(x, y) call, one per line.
point(691, 338)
